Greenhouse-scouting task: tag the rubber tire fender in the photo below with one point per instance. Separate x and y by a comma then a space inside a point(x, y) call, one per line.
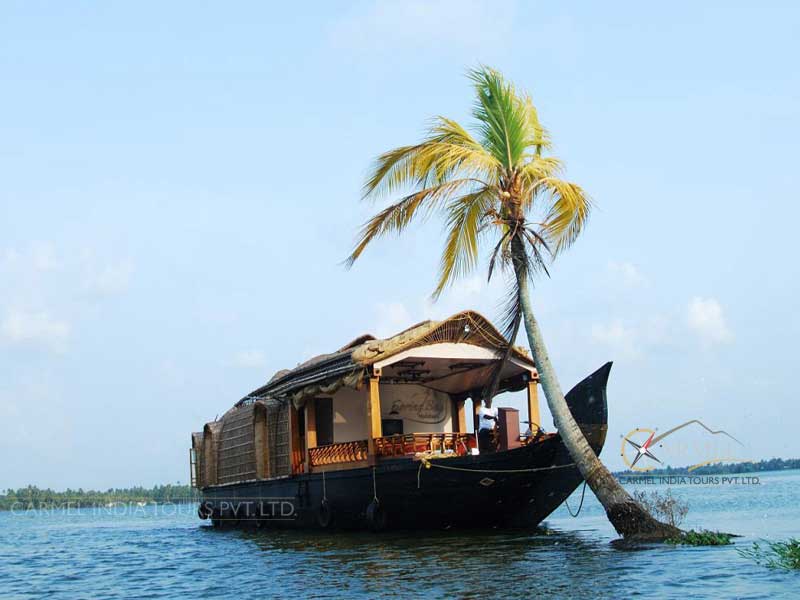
point(376, 516)
point(325, 514)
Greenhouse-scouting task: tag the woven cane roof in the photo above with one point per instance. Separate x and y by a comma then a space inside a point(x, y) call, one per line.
point(348, 365)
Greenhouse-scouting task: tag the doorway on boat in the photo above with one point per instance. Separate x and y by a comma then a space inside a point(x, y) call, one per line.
point(323, 411)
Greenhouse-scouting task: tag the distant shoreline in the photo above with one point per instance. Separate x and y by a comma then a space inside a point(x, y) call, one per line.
point(35, 498)
point(762, 466)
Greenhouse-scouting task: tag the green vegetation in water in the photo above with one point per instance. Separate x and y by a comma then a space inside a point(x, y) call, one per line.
point(775, 555)
point(701, 538)
point(34, 498)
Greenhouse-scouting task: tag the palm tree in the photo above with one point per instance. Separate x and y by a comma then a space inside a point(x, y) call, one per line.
point(501, 184)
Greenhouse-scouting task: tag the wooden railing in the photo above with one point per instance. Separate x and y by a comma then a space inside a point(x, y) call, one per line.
point(411, 443)
point(338, 453)
point(392, 446)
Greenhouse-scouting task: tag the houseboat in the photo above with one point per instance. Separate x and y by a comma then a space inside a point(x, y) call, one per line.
point(376, 435)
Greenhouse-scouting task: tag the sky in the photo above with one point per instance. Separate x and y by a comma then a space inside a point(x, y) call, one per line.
point(180, 182)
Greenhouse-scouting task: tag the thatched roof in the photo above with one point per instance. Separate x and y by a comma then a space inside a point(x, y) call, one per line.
point(348, 365)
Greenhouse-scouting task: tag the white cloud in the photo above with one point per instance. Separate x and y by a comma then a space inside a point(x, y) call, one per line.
point(657, 330)
point(634, 336)
point(108, 280)
point(34, 328)
point(386, 24)
point(250, 359)
point(472, 286)
point(621, 338)
point(706, 319)
point(469, 293)
point(45, 288)
point(392, 317)
point(33, 409)
point(38, 257)
point(625, 273)
point(43, 256)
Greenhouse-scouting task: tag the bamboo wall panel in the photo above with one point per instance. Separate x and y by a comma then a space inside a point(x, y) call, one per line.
point(236, 447)
point(278, 440)
point(198, 468)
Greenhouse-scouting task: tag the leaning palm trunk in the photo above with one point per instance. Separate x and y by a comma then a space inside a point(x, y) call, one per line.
point(625, 514)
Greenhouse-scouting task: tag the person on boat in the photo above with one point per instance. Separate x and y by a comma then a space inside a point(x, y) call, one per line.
point(487, 421)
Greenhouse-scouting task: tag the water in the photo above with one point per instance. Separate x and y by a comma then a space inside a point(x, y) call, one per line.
point(166, 552)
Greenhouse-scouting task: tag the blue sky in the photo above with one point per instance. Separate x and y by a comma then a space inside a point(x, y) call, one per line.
point(179, 184)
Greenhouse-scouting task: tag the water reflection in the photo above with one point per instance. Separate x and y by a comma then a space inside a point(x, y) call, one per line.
point(460, 563)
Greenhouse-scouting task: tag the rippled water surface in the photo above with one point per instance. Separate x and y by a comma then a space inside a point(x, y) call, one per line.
point(166, 552)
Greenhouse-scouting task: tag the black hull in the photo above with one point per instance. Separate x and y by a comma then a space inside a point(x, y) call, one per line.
point(468, 491)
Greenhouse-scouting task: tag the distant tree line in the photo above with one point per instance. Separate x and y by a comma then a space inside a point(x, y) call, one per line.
point(32, 497)
point(772, 464)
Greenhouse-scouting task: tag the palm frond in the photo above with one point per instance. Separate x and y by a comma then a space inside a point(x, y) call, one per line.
point(524, 266)
point(537, 262)
point(568, 212)
point(447, 151)
point(510, 333)
point(448, 131)
point(501, 115)
point(390, 170)
point(463, 228)
point(538, 136)
point(497, 252)
point(536, 169)
point(537, 239)
point(511, 312)
point(396, 217)
point(458, 152)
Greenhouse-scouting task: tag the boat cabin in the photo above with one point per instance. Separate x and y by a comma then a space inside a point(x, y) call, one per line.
point(372, 400)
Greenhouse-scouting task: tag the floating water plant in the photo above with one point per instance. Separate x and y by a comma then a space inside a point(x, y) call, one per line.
point(701, 538)
point(775, 555)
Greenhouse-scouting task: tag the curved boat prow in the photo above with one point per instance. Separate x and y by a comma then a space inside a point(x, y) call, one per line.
point(589, 406)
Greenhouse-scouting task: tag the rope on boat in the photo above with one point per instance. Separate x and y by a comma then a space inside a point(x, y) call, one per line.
point(374, 487)
point(324, 489)
point(424, 462)
point(580, 506)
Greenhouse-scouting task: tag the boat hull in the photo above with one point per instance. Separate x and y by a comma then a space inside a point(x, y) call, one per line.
point(517, 487)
